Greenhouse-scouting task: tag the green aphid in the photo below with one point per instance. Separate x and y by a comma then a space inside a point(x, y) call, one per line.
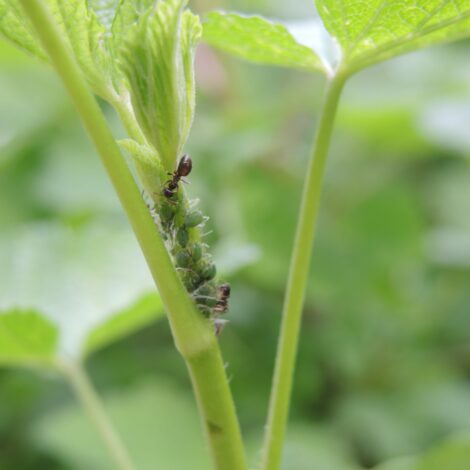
point(166, 213)
point(182, 237)
point(193, 219)
point(192, 281)
point(196, 252)
point(206, 300)
point(209, 271)
point(183, 260)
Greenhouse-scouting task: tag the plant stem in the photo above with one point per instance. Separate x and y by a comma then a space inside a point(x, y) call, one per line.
point(193, 335)
point(297, 283)
point(88, 397)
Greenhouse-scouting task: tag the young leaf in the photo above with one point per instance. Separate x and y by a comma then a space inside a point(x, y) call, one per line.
point(259, 40)
point(157, 61)
point(371, 31)
point(26, 338)
point(79, 280)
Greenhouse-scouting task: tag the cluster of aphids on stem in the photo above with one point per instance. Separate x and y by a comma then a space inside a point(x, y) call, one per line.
point(181, 226)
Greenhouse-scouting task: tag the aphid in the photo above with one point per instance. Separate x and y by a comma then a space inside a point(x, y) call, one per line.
point(185, 166)
point(222, 298)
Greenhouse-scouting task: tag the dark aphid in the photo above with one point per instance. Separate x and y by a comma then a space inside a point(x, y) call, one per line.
point(185, 166)
point(223, 295)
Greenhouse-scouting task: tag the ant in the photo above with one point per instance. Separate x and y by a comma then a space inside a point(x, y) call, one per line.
point(185, 166)
point(223, 296)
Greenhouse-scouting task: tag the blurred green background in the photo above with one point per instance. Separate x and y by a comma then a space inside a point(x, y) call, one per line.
point(384, 363)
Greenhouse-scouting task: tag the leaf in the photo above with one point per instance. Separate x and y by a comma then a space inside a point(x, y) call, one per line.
point(267, 42)
point(142, 153)
point(371, 31)
point(87, 39)
point(13, 28)
point(157, 61)
point(158, 423)
point(26, 338)
point(453, 454)
point(91, 283)
point(105, 10)
point(141, 314)
point(85, 34)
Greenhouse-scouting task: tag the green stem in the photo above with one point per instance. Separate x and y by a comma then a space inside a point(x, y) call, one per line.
point(193, 335)
point(297, 283)
point(87, 396)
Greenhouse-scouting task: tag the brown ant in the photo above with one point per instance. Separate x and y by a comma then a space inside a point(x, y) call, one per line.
point(185, 166)
point(222, 299)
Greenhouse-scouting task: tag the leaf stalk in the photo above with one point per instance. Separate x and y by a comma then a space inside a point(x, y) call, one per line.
point(297, 282)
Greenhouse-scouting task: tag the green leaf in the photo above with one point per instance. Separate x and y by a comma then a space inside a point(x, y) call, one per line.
point(81, 27)
point(105, 10)
point(142, 153)
point(91, 282)
point(371, 31)
point(26, 338)
point(144, 312)
point(158, 423)
point(157, 61)
point(453, 454)
point(259, 40)
point(405, 463)
point(87, 39)
point(15, 30)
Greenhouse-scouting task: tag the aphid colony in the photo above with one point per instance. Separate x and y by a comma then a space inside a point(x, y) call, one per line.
point(181, 227)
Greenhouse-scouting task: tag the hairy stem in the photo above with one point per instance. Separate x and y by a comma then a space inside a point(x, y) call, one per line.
point(297, 283)
point(90, 401)
point(194, 336)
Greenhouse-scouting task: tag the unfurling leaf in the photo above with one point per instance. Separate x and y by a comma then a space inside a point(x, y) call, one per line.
point(157, 61)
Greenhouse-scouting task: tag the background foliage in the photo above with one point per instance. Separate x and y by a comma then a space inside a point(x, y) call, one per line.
point(385, 361)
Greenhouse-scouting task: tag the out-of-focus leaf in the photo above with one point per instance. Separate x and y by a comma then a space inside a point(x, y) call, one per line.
point(13, 28)
point(453, 454)
point(157, 61)
point(304, 45)
point(306, 447)
point(144, 312)
point(26, 338)
point(78, 279)
point(404, 463)
point(157, 421)
point(371, 31)
point(81, 27)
